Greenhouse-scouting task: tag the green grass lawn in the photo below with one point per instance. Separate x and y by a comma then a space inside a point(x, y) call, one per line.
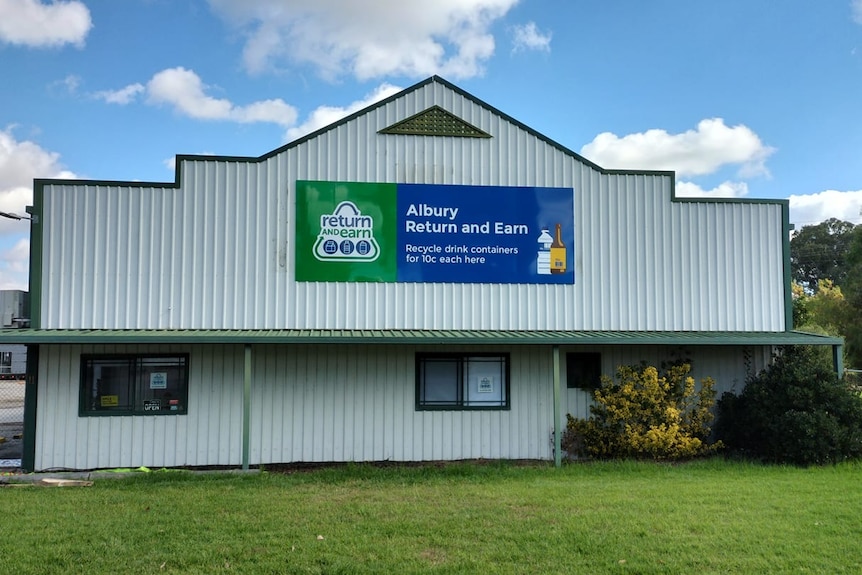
point(701, 517)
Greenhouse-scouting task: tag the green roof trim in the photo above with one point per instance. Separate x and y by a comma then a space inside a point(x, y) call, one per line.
point(408, 336)
point(435, 121)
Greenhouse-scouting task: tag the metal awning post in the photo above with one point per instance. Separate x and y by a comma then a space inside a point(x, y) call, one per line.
point(838, 359)
point(558, 458)
point(246, 407)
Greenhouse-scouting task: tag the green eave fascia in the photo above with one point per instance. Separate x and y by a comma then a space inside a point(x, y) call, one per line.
point(408, 336)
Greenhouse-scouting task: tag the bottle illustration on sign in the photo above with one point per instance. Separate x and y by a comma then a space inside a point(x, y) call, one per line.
point(543, 261)
point(558, 252)
point(346, 236)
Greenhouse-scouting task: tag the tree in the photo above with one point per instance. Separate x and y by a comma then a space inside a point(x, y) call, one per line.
point(819, 252)
point(827, 311)
point(853, 294)
point(794, 411)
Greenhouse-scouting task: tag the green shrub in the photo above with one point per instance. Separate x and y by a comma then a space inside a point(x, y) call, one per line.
point(794, 411)
point(643, 415)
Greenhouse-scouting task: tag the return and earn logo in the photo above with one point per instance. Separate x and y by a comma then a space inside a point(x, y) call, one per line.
point(346, 236)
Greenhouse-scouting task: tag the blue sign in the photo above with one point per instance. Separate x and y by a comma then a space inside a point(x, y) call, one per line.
point(485, 234)
point(381, 232)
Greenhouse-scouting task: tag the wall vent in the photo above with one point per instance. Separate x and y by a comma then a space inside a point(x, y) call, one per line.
point(435, 121)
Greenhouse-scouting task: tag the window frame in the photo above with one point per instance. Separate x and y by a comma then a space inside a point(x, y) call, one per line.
point(5, 362)
point(462, 403)
point(136, 366)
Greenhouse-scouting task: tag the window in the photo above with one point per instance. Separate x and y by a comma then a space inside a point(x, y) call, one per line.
point(5, 362)
point(583, 370)
point(134, 384)
point(462, 381)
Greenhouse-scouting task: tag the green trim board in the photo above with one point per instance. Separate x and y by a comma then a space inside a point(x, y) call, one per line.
point(558, 427)
point(31, 397)
point(788, 272)
point(246, 405)
point(408, 336)
point(35, 271)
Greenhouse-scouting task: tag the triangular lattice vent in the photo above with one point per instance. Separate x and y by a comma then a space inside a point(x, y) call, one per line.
point(435, 121)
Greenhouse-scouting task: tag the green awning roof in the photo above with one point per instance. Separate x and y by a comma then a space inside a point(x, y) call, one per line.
point(408, 336)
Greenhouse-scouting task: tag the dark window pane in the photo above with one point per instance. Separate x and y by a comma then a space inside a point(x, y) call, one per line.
point(439, 382)
point(583, 370)
point(162, 384)
point(108, 384)
point(134, 385)
point(462, 381)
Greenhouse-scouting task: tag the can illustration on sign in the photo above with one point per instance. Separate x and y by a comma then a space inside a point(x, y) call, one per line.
point(432, 233)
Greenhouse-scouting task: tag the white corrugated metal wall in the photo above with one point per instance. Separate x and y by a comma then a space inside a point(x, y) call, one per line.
point(729, 366)
point(218, 252)
point(211, 433)
point(309, 403)
point(357, 403)
point(327, 403)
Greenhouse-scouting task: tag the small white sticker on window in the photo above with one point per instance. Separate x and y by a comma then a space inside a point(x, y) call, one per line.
point(486, 384)
point(159, 380)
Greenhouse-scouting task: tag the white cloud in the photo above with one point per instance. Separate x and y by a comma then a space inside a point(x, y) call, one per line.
point(856, 8)
point(20, 163)
point(69, 84)
point(814, 208)
point(368, 39)
point(184, 90)
point(32, 23)
point(325, 115)
point(186, 93)
point(14, 266)
point(122, 96)
point(723, 190)
point(695, 152)
point(528, 37)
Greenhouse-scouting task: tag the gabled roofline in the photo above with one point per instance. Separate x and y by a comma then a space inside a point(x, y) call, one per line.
point(39, 183)
point(292, 144)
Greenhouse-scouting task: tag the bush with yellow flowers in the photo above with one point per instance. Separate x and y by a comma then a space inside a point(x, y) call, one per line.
point(644, 415)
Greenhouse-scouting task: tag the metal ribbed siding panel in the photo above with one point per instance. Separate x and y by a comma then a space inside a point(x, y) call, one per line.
point(218, 252)
point(327, 403)
point(211, 433)
point(357, 403)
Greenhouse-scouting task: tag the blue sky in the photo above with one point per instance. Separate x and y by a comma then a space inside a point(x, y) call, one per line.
point(740, 98)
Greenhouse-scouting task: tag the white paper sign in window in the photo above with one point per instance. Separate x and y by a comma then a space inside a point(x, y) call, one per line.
point(159, 380)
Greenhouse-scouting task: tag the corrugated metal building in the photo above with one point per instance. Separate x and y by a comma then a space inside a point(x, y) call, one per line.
point(426, 279)
point(14, 305)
